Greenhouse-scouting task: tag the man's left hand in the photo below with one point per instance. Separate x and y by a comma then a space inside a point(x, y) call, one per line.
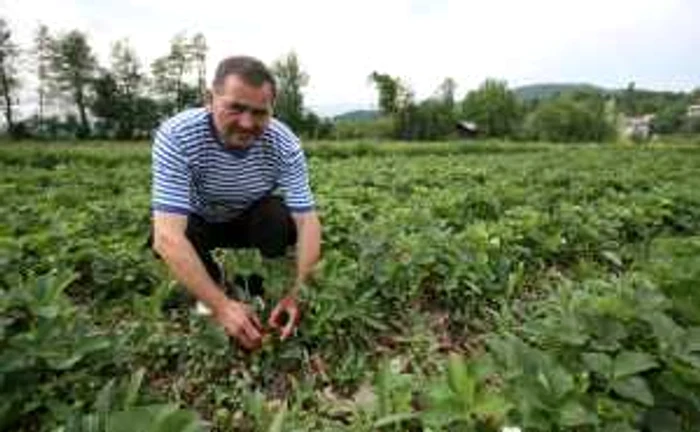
point(285, 317)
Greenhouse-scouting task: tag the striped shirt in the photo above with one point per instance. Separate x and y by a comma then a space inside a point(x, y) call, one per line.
point(192, 172)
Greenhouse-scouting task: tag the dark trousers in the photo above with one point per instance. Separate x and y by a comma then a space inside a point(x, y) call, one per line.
point(266, 225)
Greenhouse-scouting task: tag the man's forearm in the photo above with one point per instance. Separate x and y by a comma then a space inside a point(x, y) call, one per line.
point(308, 251)
point(183, 261)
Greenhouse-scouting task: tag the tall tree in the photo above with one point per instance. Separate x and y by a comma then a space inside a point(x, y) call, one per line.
point(170, 75)
point(571, 117)
point(9, 82)
point(198, 53)
point(388, 90)
point(129, 81)
point(42, 55)
point(695, 95)
point(494, 108)
point(118, 101)
point(291, 79)
point(629, 100)
point(446, 92)
point(74, 67)
point(126, 68)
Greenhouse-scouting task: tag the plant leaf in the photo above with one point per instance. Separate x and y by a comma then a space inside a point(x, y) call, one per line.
point(132, 390)
point(395, 419)
point(692, 339)
point(663, 420)
point(634, 388)
point(599, 363)
point(459, 379)
point(492, 406)
point(278, 421)
point(629, 363)
point(575, 414)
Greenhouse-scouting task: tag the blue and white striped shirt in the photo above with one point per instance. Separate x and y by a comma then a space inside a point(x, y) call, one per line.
point(193, 173)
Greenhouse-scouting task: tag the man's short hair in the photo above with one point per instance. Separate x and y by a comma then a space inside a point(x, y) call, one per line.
point(251, 70)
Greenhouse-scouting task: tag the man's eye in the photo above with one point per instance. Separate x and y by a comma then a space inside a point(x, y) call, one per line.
point(238, 108)
point(259, 112)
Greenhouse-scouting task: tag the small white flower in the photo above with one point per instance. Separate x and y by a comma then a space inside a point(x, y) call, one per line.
point(202, 309)
point(511, 429)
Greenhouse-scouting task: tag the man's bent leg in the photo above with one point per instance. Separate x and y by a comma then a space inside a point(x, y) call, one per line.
point(203, 236)
point(271, 228)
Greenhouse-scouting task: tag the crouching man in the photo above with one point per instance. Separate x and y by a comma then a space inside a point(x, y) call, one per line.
point(215, 173)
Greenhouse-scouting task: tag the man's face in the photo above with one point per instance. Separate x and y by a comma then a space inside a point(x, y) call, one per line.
point(241, 111)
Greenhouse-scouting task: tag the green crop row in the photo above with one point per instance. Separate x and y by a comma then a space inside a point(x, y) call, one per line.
point(547, 288)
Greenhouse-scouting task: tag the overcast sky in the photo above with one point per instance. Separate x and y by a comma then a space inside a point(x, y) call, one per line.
point(655, 43)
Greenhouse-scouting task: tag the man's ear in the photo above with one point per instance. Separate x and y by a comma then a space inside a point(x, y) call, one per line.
point(208, 98)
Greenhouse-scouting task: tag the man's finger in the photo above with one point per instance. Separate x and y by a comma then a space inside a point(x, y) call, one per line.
point(243, 339)
point(255, 320)
point(291, 324)
point(275, 317)
point(251, 332)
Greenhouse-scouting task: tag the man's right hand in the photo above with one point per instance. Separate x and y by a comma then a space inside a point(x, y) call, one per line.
point(240, 322)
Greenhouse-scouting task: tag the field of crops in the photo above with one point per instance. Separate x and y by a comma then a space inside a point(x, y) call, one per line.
point(550, 288)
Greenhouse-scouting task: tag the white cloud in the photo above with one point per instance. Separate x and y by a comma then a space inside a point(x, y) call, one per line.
point(422, 41)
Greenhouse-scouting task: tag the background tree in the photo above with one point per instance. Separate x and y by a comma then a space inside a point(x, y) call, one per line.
point(494, 108)
point(571, 117)
point(42, 57)
point(670, 119)
point(171, 74)
point(446, 92)
point(74, 67)
point(431, 119)
point(390, 92)
point(9, 79)
point(291, 79)
point(198, 53)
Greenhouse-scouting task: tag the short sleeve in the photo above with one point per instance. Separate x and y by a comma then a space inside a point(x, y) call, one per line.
point(294, 181)
point(170, 175)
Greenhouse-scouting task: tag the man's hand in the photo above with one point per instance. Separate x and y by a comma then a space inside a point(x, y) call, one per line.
point(240, 322)
point(285, 316)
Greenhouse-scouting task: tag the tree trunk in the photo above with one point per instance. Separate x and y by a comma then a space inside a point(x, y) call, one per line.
point(8, 100)
point(80, 102)
point(41, 109)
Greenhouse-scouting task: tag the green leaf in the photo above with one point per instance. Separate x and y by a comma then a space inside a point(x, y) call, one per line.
point(556, 380)
point(48, 312)
point(58, 362)
point(599, 363)
point(105, 397)
point(575, 414)
point(634, 388)
point(663, 420)
point(132, 390)
point(492, 406)
point(382, 389)
point(459, 379)
point(278, 421)
point(667, 332)
point(629, 363)
point(692, 339)
point(92, 344)
point(612, 258)
point(395, 419)
point(180, 421)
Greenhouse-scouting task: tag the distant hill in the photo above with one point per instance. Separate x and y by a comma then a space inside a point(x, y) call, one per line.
point(358, 115)
point(550, 90)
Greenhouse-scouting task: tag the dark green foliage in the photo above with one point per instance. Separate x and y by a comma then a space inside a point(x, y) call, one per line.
point(468, 289)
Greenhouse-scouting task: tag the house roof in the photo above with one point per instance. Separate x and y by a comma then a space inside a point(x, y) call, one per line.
point(467, 125)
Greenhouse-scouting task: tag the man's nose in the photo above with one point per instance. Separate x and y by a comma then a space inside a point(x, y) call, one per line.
point(246, 120)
